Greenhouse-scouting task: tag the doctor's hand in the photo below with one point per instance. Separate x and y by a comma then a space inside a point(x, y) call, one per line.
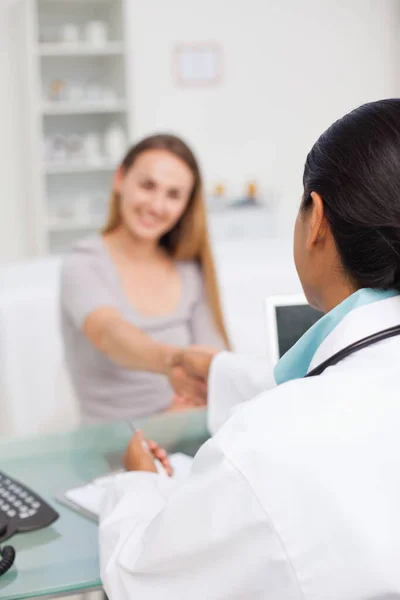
point(195, 361)
point(140, 455)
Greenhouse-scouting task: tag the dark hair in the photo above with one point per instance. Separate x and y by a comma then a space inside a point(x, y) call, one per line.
point(355, 167)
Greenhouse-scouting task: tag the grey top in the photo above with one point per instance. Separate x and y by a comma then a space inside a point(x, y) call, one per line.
point(106, 391)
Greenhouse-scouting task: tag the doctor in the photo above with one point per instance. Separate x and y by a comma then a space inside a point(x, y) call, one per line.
point(297, 497)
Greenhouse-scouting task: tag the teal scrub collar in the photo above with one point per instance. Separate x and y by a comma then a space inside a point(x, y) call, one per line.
point(295, 363)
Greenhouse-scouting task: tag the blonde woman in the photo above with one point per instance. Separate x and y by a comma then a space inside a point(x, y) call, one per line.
point(142, 289)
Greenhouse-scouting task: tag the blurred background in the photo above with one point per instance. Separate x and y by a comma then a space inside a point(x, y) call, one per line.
point(250, 84)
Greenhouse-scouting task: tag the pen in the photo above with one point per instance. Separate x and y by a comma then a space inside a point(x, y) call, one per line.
point(158, 465)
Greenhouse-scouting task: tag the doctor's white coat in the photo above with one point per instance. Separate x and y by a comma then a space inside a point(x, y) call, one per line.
point(296, 497)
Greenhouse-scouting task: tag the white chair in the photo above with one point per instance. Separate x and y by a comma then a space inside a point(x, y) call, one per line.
point(35, 393)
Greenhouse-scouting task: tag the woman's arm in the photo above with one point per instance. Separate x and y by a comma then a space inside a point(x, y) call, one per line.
point(88, 301)
point(125, 344)
point(128, 346)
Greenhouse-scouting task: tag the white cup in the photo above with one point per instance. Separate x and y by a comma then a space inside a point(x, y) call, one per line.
point(115, 142)
point(97, 33)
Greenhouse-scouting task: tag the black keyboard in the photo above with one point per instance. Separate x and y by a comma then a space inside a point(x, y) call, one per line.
point(21, 509)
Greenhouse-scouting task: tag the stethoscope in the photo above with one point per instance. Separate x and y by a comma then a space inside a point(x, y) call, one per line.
point(360, 345)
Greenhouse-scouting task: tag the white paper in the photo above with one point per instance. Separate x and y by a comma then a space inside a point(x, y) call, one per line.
point(90, 496)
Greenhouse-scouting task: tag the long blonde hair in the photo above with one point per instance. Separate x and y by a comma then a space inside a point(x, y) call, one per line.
point(189, 238)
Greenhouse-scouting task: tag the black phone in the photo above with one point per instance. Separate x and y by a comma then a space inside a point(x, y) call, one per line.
point(21, 510)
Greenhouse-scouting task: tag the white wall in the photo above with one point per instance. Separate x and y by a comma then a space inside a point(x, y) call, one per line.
point(291, 68)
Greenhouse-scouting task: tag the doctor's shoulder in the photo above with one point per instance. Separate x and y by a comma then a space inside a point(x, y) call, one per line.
point(300, 412)
point(272, 412)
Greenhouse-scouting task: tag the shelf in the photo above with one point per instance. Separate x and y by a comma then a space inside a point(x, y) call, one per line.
point(61, 49)
point(74, 225)
point(65, 108)
point(59, 168)
point(58, 2)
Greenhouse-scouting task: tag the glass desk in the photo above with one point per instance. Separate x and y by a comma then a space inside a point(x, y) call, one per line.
point(63, 558)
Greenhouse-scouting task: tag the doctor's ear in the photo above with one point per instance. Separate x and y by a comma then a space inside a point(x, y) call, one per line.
point(318, 227)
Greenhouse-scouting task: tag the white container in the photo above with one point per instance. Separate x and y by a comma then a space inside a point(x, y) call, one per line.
point(115, 143)
point(92, 148)
point(75, 93)
point(75, 147)
point(96, 33)
point(70, 33)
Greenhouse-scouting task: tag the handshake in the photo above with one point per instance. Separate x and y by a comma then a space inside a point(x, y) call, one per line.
point(188, 370)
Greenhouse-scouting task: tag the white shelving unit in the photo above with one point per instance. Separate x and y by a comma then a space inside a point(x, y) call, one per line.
point(62, 49)
point(55, 168)
point(69, 108)
point(76, 93)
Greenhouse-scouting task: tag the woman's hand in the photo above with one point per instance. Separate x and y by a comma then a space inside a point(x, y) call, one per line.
point(179, 404)
point(186, 385)
point(140, 455)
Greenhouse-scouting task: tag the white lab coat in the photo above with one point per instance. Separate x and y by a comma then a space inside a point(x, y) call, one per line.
point(235, 379)
point(297, 496)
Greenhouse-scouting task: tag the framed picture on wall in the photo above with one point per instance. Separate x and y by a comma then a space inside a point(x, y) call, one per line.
point(197, 64)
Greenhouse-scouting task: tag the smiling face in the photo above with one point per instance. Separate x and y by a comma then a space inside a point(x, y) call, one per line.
point(154, 193)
